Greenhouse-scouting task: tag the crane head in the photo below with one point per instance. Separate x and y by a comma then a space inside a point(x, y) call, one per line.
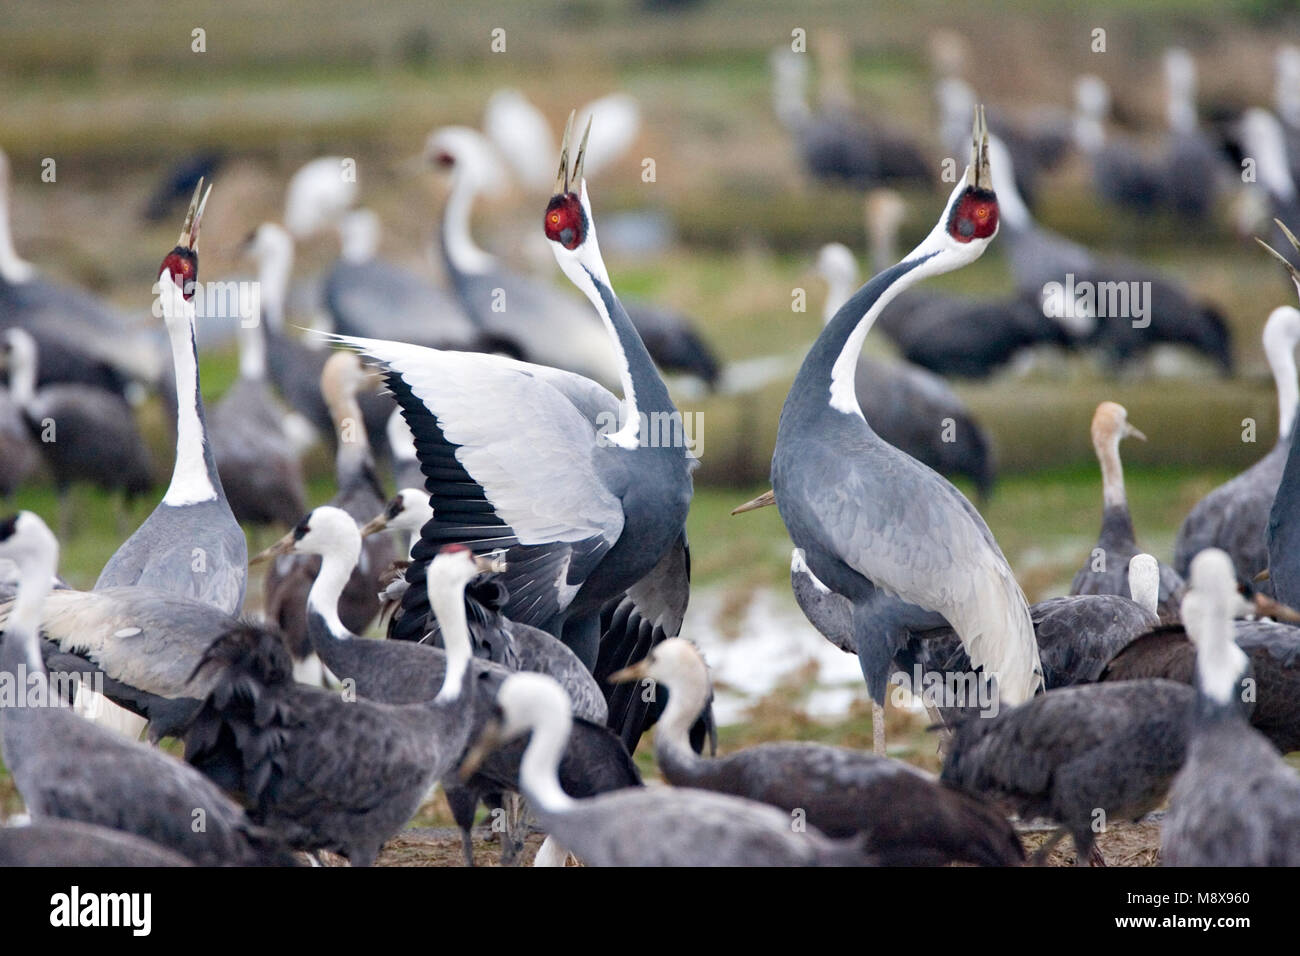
point(566, 218)
point(183, 261)
point(973, 213)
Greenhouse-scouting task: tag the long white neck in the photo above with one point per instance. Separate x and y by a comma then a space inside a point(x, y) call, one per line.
point(838, 289)
point(581, 270)
point(1279, 349)
point(1144, 582)
point(1286, 94)
point(252, 350)
point(335, 571)
point(539, 771)
point(686, 698)
point(462, 250)
point(1180, 102)
point(274, 267)
point(1112, 471)
point(35, 579)
point(933, 261)
point(13, 268)
point(22, 373)
point(447, 600)
point(190, 482)
point(1219, 661)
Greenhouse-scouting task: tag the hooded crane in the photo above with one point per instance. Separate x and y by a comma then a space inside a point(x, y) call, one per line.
point(82, 432)
point(900, 543)
point(1042, 262)
point(279, 744)
point(402, 672)
point(910, 408)
point(191, 544)
point(1235, 802)
point(68, 768)
point(79, 338)
point(1107, 569)
point(1072, 751)
point(255, 442)
point(658, 826)
point(360, 494)
point(904, 815)
point(1235, 516)
point(588, 508)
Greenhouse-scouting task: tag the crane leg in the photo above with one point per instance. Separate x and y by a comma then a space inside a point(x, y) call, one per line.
point(877, 729)
point(1043, 852)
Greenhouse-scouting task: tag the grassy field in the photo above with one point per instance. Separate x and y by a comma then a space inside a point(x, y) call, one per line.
point(115, 92)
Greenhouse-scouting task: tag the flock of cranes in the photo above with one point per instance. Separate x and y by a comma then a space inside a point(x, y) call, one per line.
point(532, 572)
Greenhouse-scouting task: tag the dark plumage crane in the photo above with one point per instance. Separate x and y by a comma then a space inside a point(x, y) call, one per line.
point(1234, 802)
point(903, 815)
point(1106, 570)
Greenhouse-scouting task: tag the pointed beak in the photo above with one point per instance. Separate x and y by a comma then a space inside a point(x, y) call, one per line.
point(1131, 432)
point(189, 238)
point(1295, 274)
point(1261, 577)
point(489, 741)
point(567, 181)
point(627, 675)
point(1267, 607)
point(493, 563)
point(375, 525)
point(762, 501)
point(978, 172)
point(283, 546)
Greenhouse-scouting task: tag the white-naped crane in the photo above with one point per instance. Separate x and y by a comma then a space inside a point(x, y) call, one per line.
point(899, 542)
point(1235, 516)
point(1106, 570)
point(912, 409)
point(368, 296)
point(191, 544)
point(68, 768)
point(554, 468)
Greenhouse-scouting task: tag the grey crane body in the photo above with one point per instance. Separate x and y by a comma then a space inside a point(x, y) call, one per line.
point(852, 503)
point(18, 453)
point(69, 843)
point(259, 470)
point(376, 299)
point(1234, 803)
point(280, 747)
point(1235, 516)
point(1075, 750)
